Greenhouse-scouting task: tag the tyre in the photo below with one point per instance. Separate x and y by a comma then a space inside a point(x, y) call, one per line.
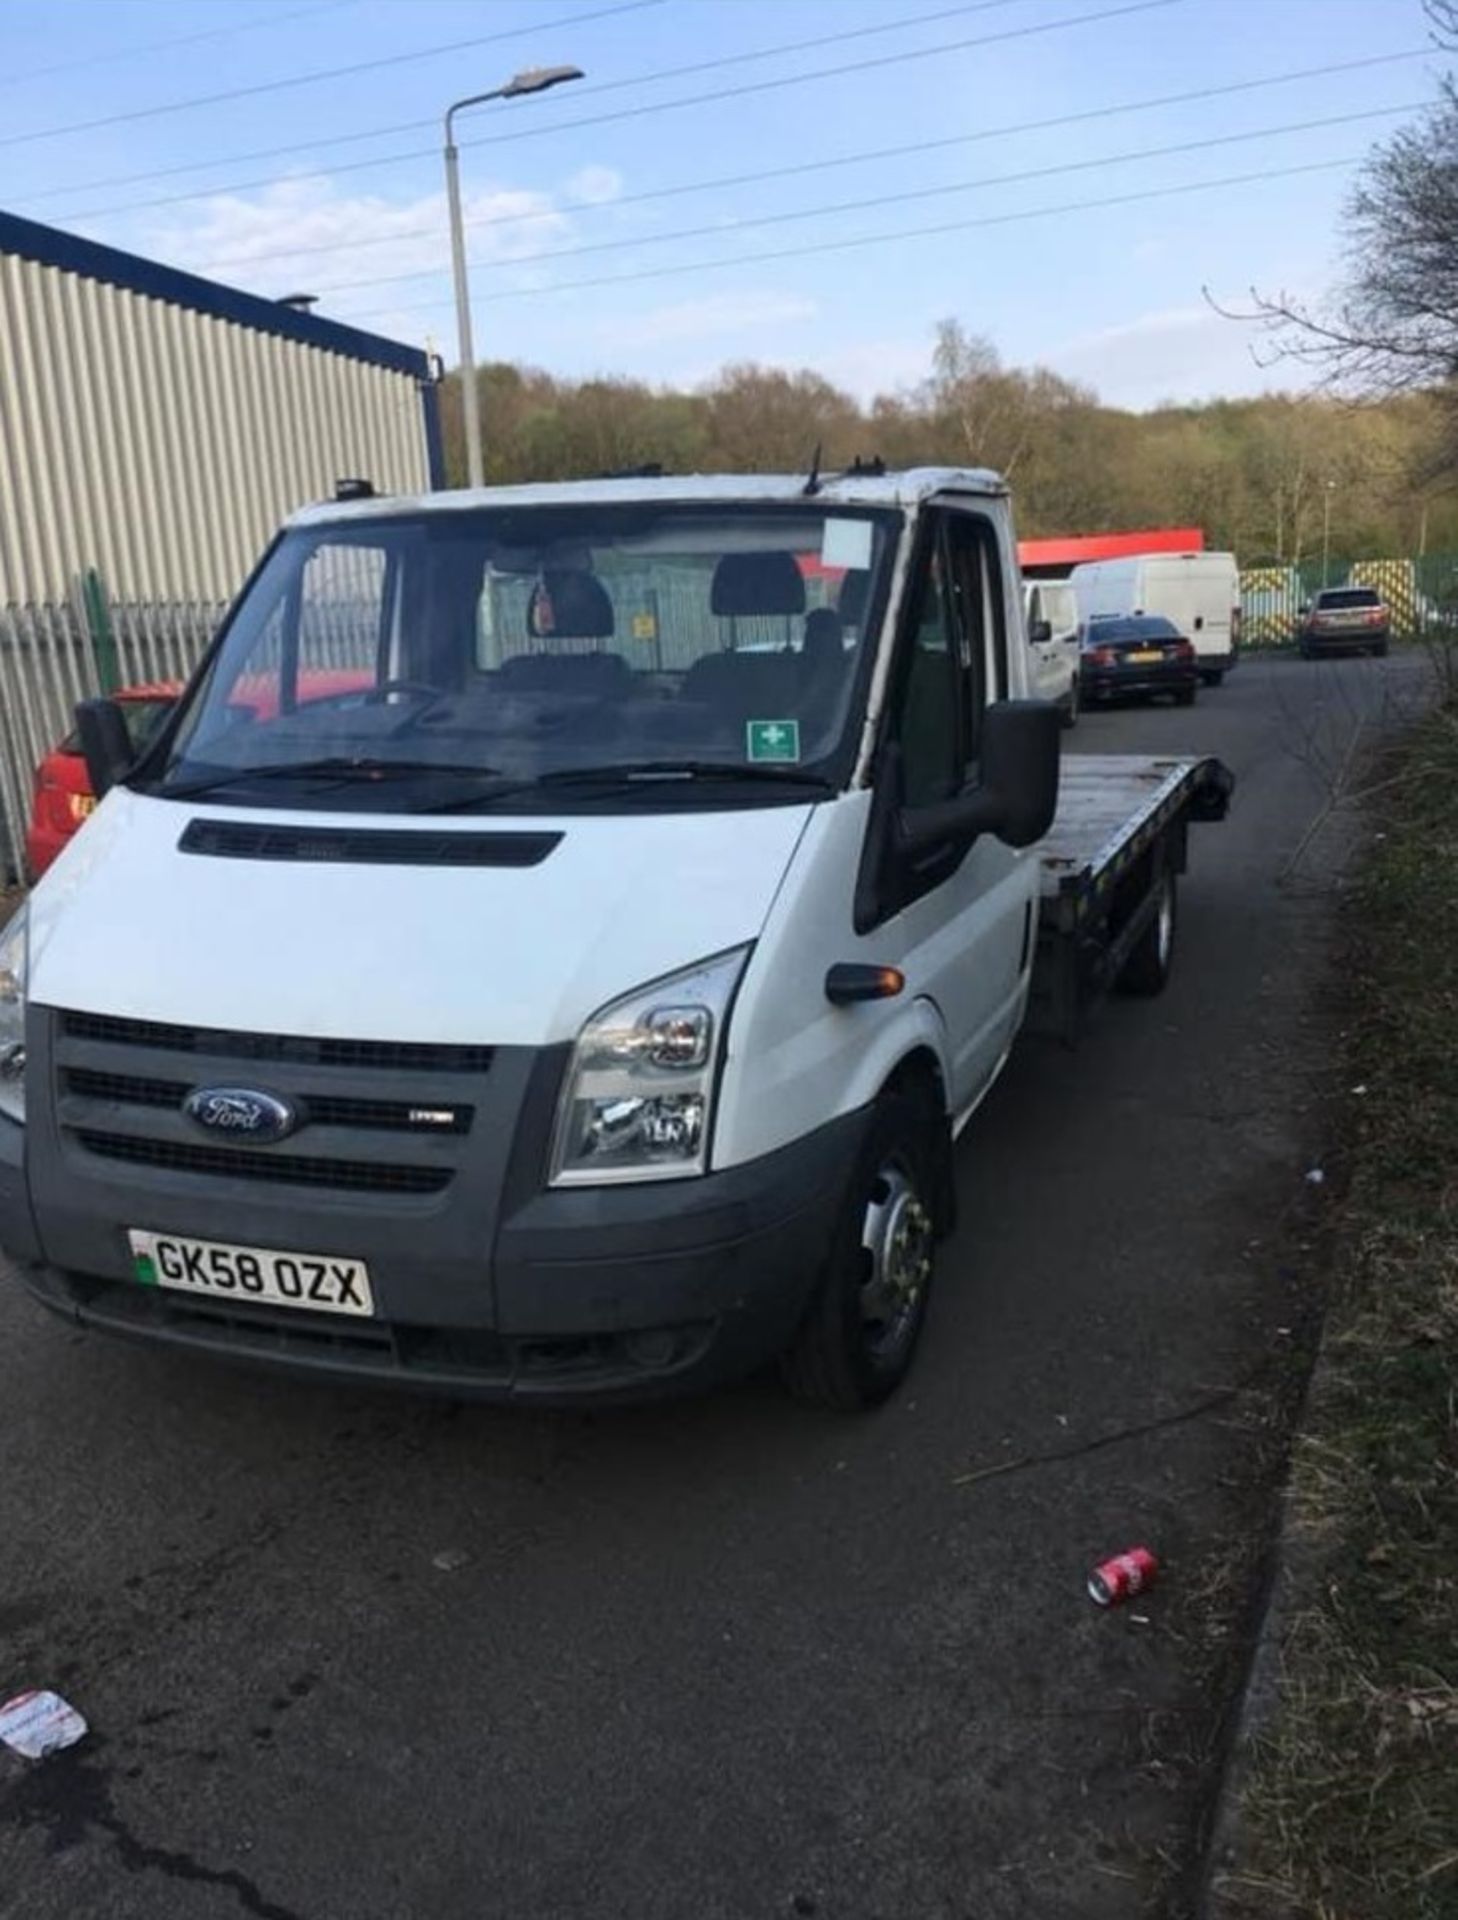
point(1148, 966)
point(1185, 697)
point(1379, 652)
point(856, 1342)
point(1069, 712)
point(1212, 676)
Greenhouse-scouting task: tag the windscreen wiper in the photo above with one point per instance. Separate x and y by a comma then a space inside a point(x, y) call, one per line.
point(642, 775)
point(335, 769)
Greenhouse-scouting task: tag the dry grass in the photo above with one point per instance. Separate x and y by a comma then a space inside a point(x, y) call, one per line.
point(1351, 1798)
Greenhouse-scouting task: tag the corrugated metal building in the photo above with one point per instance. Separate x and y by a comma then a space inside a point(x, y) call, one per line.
point(155, 427)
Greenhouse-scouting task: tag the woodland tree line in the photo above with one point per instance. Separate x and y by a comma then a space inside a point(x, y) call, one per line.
point(1255, 474)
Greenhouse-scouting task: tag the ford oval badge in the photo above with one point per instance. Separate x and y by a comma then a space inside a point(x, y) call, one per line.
point(241, 1113)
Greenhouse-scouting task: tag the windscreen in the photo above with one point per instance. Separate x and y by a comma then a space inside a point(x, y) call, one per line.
point(524, 645)
point(1349, 597)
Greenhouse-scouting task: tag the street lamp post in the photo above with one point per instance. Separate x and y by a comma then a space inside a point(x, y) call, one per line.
point(533, 80)
point(1330, 488)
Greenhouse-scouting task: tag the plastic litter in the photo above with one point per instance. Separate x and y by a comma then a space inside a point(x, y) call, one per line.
point(450, 1560)
point(36, 1723)
point(1315, 1177)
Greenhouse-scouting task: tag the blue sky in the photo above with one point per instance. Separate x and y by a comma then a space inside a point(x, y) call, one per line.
point(333, 184)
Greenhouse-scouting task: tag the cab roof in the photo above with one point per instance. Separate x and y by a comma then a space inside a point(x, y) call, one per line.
point(905, 489)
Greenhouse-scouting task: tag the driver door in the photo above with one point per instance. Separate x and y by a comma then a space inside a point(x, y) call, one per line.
point(963, 914)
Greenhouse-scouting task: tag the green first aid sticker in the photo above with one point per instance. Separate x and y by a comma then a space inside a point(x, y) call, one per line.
point(771, 740)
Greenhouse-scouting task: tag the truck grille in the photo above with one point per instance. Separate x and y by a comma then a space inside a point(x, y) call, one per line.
point(319, 1109)
point(287, 1169)
point(383, 1055)
point(385, 1118)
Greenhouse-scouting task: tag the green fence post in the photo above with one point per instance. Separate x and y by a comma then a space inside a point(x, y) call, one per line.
point(103, 638)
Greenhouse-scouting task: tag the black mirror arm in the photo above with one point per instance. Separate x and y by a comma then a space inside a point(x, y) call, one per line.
point(105, 744)
point(920, 829)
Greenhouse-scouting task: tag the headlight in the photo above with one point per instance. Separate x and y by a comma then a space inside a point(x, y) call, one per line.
point(638, 1100)
point(12, 1017)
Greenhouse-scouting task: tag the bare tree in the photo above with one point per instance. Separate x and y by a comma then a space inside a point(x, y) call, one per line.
point(1393, 326)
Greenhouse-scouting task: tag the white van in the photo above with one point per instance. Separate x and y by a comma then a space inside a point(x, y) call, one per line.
point(1199, 592)
point(551, 948)
point(1052, 614)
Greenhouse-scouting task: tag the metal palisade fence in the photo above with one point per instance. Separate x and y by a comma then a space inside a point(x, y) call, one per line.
point(51, 656)
point(1422, 594)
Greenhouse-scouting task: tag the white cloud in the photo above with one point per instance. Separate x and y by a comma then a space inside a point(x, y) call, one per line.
point(303, 234)
point(866, 368)
point(716, 314)
point(1184, 353)
point(594, 186)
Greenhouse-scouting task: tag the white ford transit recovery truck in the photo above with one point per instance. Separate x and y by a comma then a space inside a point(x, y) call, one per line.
point(553, 946)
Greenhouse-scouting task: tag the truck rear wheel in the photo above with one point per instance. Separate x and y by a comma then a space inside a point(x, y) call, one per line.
point(1212, 676)
point(1068, 713)
point(856, 1342)
point(1148, 967)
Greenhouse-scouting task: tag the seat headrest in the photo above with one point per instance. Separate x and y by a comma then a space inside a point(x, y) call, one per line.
point(568, 603)
point(750, 583)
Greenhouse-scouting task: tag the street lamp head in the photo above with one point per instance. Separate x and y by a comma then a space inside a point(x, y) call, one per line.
point(538, 79)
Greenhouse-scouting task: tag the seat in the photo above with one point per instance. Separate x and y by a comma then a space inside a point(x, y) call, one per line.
point(824, 650)
point(824, 664)
point(602, 676)
point(746, 686)
point(854, 592)
point(569, 603)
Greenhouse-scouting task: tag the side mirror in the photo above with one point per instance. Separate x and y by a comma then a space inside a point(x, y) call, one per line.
point(1040, 632)
point(1305, 607)
point(105, 744)
point(1018, 793)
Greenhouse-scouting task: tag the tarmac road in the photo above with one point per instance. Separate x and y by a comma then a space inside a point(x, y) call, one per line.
point(350, 1657)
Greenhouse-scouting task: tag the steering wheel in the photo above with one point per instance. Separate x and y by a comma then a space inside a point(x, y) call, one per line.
point(377, 696)
point(372, 696)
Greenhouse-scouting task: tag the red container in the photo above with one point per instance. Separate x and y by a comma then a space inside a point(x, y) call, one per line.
point(1119, 1579)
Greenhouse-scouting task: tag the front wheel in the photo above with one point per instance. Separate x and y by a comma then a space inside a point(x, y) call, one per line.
point(855, 1344)
point(1147, 969)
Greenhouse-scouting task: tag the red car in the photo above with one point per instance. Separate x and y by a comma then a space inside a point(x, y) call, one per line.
point(63, 795)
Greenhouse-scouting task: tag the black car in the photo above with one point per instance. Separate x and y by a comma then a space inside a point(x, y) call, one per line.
point(1344, 620)
point(1136, 654)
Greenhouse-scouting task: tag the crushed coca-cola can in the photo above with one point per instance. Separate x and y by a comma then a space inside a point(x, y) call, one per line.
point(1119, 1579)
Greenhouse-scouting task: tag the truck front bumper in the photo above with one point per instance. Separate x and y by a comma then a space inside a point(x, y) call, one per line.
point(590, 1294)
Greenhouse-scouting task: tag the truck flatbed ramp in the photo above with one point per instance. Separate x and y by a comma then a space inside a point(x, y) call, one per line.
point(1118, 833)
